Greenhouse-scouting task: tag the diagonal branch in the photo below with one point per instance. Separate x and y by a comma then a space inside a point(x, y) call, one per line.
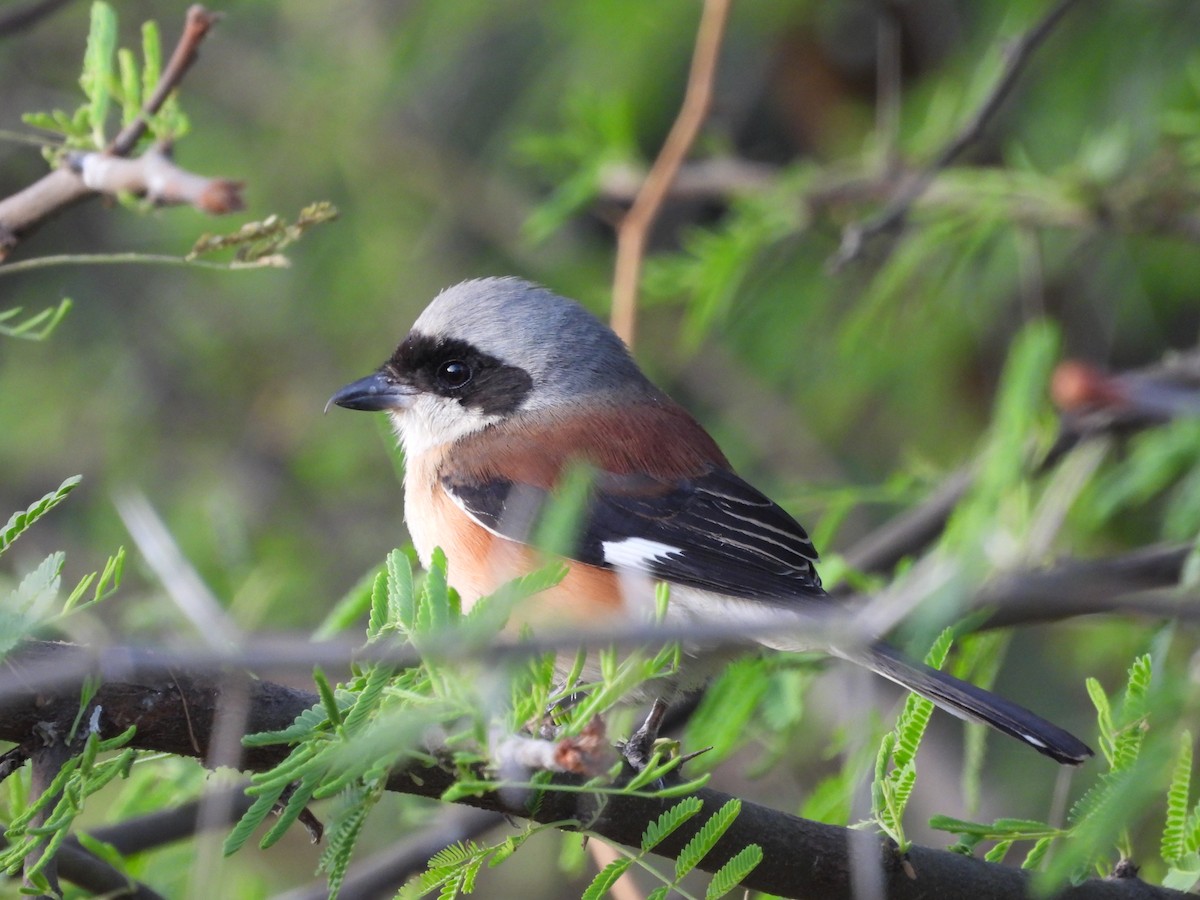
point(856, 235)
point(634, 230)
point(196, 26)
point(17, 20)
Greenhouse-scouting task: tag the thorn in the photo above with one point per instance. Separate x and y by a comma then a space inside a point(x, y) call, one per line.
point(640, 746)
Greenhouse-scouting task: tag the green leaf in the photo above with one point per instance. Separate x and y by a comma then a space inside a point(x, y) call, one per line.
point(299, 798)
point(1174, 837)
point(606, 878)
point(1183, 879)
point(1103, 716)
point(151, 57)
point(725, 711)
point(367, 700)
point(1037, 853)
point(328, 699)
point(998, 852)
point(1127, 741)
point(253, 817)
point(706, 838)
point(379, 606)
point(36, 327)
point(733, 872)
point(131, 101)
point(305, 724)
point(97, 77)
point(343, 837)
point(20, 522)
point(401, 601)
point(669, 821)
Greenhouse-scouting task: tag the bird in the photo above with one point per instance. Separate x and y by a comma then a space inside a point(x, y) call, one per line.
point(502, 388)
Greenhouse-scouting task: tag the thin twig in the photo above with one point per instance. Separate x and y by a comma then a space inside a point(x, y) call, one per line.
point(913, 530)
point(274, 261)
point(800, 857)
point(635, 227)
point(29, 15)
point(196, 26)
point(856, 235)
point(888, 85)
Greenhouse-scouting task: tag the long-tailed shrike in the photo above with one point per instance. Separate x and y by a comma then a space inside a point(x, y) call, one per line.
point(502, 386)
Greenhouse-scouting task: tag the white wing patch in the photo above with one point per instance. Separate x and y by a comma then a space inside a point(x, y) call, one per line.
point(636, 553)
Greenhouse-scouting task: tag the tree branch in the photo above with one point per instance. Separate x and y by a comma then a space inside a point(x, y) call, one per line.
point(635, 227)
point(27, 16)
point(800, 857)
point(61, 189)
point(856, 235)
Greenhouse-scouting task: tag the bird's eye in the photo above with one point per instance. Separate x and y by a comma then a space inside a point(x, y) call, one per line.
point(453, 373)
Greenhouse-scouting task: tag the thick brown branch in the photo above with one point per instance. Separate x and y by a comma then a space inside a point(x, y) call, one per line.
point(800, 857)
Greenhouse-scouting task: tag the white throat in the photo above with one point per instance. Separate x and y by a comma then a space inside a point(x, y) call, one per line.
point(432, 421)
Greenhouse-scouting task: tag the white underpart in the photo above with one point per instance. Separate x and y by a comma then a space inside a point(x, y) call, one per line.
point(636, 553)
point(762, 623)
point(434, 420)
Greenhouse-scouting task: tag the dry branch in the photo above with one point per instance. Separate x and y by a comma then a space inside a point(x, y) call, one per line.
point(635, 227)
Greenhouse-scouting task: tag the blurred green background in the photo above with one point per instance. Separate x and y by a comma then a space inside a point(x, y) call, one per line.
point(469, 138)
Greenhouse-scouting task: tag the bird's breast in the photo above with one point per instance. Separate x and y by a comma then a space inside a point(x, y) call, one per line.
point(478, 562)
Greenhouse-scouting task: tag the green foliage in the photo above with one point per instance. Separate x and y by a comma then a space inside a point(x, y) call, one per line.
point(19, 522)
point(109, 77)
point(36, 327)
point(1101, 817)
point(1076, 214)
point(724, 880)
point(77, 779)
point(1180, 843)
point(361, 732)
point(896, 761)
point(596, 134)
point(669, 822)
point(37, 602)
point(717, 262)
point(726, 710)
point(1160, 473)
point(454, 869)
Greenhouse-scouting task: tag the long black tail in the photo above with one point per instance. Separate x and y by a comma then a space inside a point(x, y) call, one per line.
point(970, 702)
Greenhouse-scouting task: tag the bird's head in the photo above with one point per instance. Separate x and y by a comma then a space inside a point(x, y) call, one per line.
point(486, 351)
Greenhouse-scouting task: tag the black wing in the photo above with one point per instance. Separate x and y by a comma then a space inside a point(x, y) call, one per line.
point(714, 531)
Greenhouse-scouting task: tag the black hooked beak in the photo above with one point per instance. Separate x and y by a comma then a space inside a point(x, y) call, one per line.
point(375, 393)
